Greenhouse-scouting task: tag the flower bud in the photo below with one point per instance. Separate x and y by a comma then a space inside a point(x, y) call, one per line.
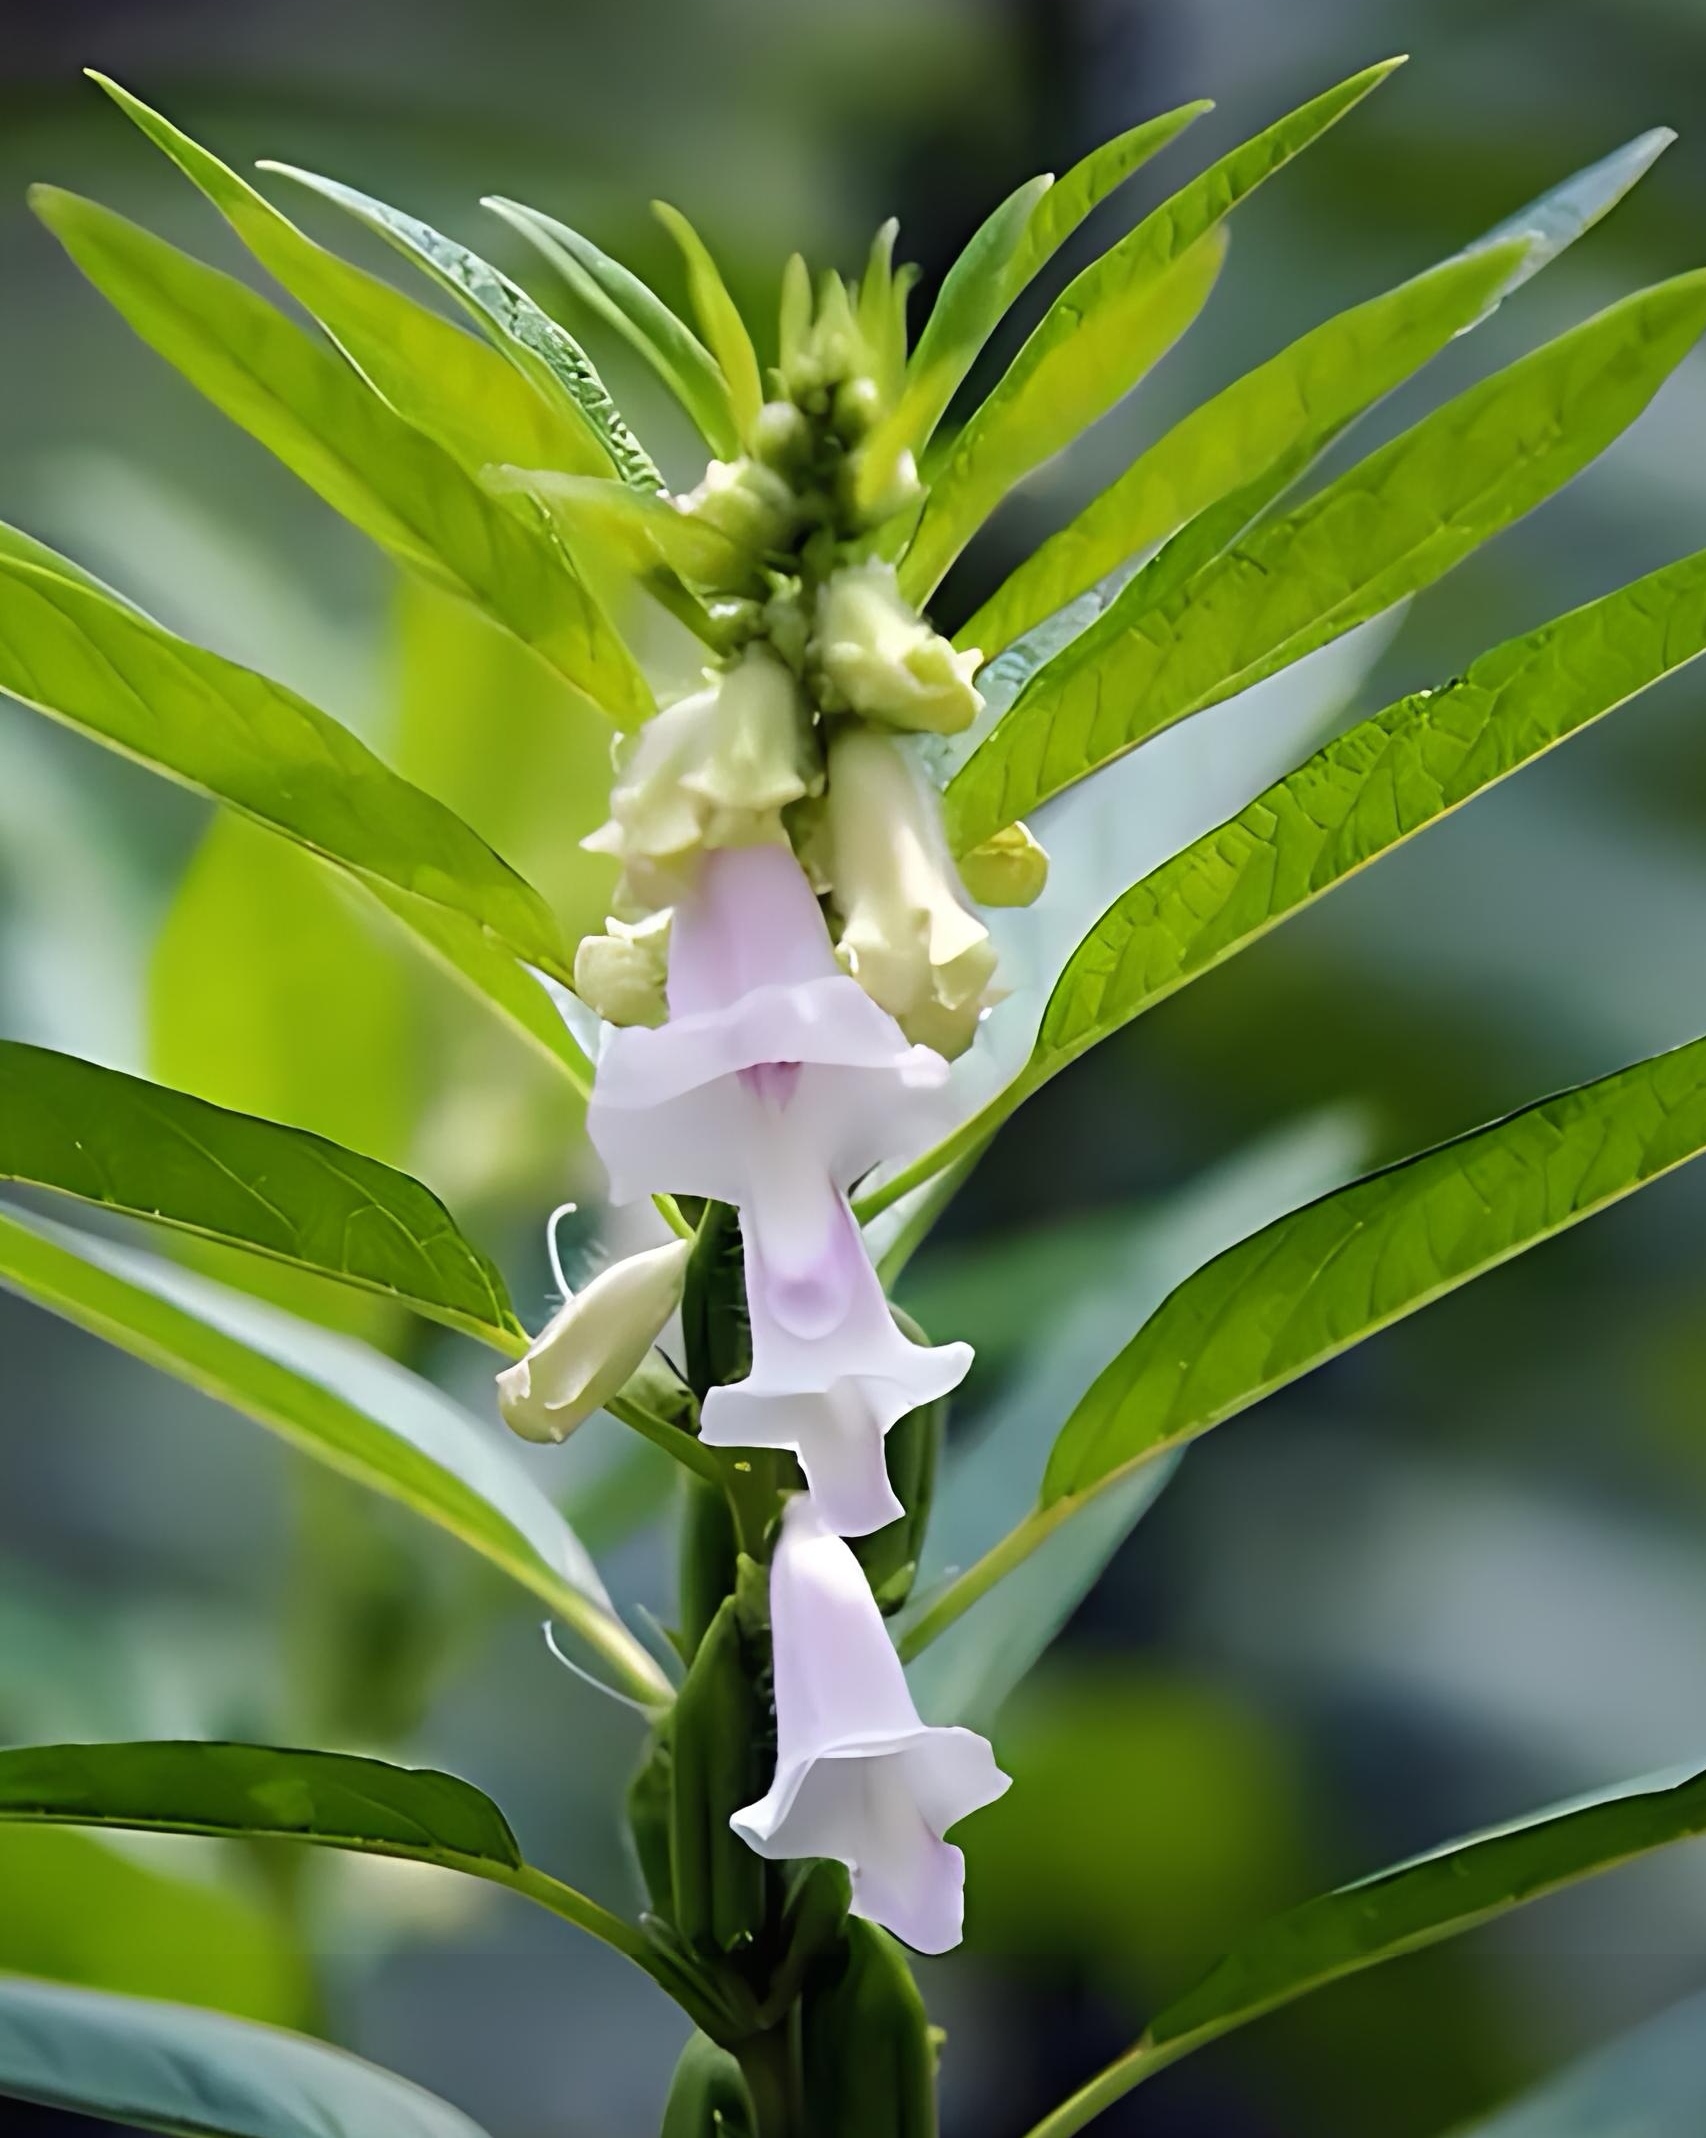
point(746, 501)
point(906, 935)
point(592, 1344)
point(858, 404)
point(620, 976)
point(1009, 869)
point(711, 770)
point(877, 657)
point(781, 437)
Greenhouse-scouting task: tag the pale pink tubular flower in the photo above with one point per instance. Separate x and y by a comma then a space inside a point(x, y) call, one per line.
point(774, 1085)
point(832, 1398)
point(859, 1778)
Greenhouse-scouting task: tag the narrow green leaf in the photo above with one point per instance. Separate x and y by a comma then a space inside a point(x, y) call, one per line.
point(493, 977)
point(1096, 341)
point(719, 318)
point(330, 1799)
point(536, 345)
point(637, 313)
point(260, 1792)
point(306, 405)
point(1327, 1276)
point(1313, 387)
point(1375, 786)
point(456, 389)
point(347, 1408)
point(1386, 528)
point(106, 670)
point(646, 533)
point(16, 547)
point(131, 1146)
point(1089, 182)
point(1231, 456)
point(1396, 1912)
point(1006, 251)
point(177, 2069)
point(975, 292)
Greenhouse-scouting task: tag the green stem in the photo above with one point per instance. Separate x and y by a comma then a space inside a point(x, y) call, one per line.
point(961, 1593)
point(1109, 2086)
point(670, 1211)
point(548, 1892)
point(686, 1448)
point(968, 1138)
point(767, 2064)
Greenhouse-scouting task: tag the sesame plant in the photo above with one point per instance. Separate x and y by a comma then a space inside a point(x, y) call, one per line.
point(784, 1035)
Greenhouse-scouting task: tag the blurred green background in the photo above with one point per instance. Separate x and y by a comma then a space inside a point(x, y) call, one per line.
point(1458, 1575)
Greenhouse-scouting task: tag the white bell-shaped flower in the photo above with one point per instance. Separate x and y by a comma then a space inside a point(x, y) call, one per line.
point(593, 1344)
point(907, 935)
point(714, 769)
point(775, 1084)
point(859, 1778)
point(831, 1398)
point(877, 657)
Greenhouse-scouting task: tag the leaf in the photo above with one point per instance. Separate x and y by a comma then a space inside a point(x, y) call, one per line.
point(456, 389)
point(307, 406)
point(103, 668)
point(538, 347)
point(149, 1152)
point(1386, 528)
point(1089, 182)
point(493, 977)
point(174, 2068)
point(1339, 1270)
point(719, 318)
point(1102, 334)
point(335, 1400)
point(1368, 791)
point(1398, 1911)
point(238, 1790)
point(1239, 449)
point(1312, 387)
point(1006, 251)
point(626, 303)
point(647, 534)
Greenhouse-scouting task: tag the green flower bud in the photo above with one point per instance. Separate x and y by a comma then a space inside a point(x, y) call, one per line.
point(1009, 869)
point(746, 501)
point(781, 437)
point(858, 404)
point(906, 934)
point(621, 975)
point(877, 657)
point(708, 2098)
point(715, 769)
point(867, 2057)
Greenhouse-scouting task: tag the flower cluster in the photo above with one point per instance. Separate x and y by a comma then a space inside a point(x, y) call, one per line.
point(792, 961)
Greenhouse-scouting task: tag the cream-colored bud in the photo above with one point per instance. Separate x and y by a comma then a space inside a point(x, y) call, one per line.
point(906, 934)
point(781, 437)
point(876, 656)
point(1009, 869)
point(592, 1345)
point(715, 769)
point(858, 404)
point(621, 976)
point(749, 503)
